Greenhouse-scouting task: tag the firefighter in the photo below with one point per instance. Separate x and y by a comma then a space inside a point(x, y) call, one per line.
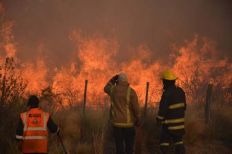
point(124, 112)
point(171, 114)
point(32, 130)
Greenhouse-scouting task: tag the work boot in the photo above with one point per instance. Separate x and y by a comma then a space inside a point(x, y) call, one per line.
point(179, 149)
point(164, 150)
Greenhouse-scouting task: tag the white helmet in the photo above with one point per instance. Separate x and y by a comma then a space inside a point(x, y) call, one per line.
point(122, 77)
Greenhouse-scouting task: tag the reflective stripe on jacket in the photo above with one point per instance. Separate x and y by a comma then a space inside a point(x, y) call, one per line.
point(128, 122)
point(35, 131)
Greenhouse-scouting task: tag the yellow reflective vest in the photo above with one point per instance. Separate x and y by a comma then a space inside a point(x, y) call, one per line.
point(124, 110)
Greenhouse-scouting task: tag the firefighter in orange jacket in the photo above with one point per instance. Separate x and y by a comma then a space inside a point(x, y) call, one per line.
point(32, 130)
point(171, 114)
point(124, 112)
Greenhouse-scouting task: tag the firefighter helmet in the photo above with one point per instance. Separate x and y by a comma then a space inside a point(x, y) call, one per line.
point(122, 77)
point(33, 101)
point(168, 75)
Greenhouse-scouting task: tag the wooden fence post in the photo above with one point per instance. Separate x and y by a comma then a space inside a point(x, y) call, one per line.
point(146, 99)
point(83, 120)
point(208, 102)
point(85, 96)
point(139, 133)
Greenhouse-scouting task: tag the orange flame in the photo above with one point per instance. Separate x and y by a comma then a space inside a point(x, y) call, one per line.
point(35, 75)
point(196, 63)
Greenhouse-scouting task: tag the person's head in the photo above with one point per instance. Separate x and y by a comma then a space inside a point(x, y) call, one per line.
point(33, 101)
point(168, 78)
point(122, 77)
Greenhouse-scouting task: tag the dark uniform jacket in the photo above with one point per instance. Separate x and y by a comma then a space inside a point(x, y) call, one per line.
point(172, 109)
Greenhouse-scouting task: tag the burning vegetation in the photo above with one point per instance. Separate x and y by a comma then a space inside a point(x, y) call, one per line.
point(196, 62)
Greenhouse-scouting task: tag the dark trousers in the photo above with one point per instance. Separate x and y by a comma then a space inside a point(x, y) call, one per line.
point(124, 140)
point(167, 138)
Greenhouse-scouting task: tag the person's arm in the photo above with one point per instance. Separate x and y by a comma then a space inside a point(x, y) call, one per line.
point(53, 128)
point(163, 108)
point(19, 130)
point(19, 134)
point(135, 107)
point(110, 83)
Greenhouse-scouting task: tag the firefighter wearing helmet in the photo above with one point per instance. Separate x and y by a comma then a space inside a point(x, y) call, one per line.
point(124, 112)
point(33, 126)
point(171, 114)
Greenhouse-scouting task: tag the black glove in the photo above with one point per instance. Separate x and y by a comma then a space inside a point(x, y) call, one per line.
point(114, 79)
point(59, 132)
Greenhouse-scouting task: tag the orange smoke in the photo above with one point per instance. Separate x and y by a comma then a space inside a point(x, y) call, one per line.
point(7, 38)
point(9, 44)
point(2, 9)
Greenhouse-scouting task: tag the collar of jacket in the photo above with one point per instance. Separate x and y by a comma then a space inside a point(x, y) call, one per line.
point(34, 108)
point(123, 83)
point(170, 87)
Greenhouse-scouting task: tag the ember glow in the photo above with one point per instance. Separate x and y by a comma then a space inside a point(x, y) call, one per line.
point(196, 62)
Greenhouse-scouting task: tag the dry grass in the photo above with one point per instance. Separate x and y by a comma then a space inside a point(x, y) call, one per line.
point(215, 138)
point(212, 138)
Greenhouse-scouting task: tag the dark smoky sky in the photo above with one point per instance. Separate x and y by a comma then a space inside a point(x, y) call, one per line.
point(46, 24)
